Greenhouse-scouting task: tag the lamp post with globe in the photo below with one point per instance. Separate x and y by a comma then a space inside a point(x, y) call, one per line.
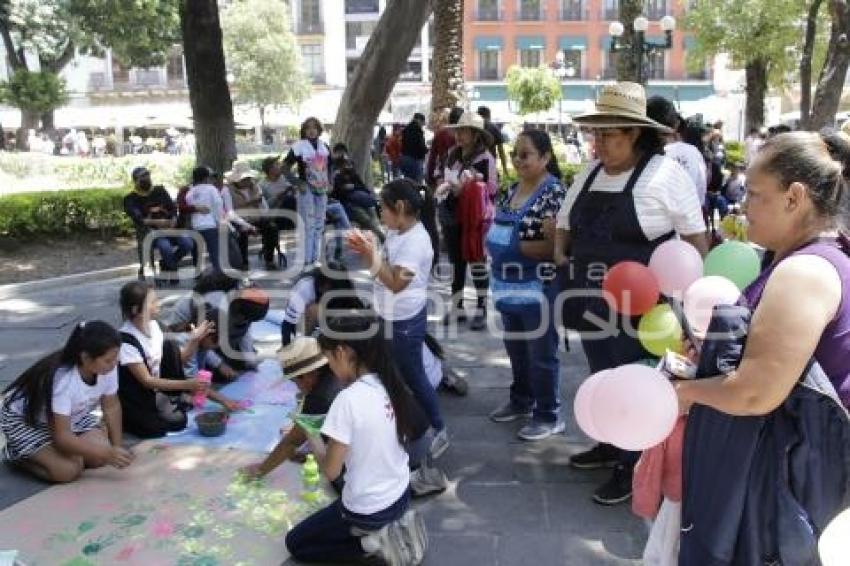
point(639, 46)
point(562, 69)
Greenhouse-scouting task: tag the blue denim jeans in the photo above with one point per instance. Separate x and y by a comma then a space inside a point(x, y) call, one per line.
point(172, 249)
point(534, 364)
point(325, 536)
point(210, 237)
point(412, 168)
point(312, 208)
point(408, 337)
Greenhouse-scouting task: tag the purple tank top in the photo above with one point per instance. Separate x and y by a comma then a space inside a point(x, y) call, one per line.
point(833, 350)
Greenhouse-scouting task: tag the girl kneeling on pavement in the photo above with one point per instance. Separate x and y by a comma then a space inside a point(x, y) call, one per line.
point(47, 414)
point(367, 426)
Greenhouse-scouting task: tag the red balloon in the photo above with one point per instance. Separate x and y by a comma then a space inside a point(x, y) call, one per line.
point(631, 288)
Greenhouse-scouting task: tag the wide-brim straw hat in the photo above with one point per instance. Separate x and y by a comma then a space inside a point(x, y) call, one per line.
point(301, 356)
point(473, 121)
point(620, 105)
point(241, 170)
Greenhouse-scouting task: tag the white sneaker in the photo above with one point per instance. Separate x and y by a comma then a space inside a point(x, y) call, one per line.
point(439, 444)
point(386, 544)
point(426, 480)
point(414, 535)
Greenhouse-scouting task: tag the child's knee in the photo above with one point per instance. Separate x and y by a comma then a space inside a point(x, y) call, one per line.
point(66, 470)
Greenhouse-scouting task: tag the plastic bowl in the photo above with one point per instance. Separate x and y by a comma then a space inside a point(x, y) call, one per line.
point(211, 423)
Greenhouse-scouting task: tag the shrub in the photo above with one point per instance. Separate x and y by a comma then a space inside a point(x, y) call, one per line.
point(59, 213)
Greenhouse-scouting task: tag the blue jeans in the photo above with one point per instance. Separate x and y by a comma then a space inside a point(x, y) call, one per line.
point(312, 208)
point(172, 249)
point(408, 337)
point(210, 237)
point(325, 536)
point(534, 364)
point(336, 214)
point(412, 168)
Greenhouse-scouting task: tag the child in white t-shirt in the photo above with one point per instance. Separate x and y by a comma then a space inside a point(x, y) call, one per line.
point(55, 436)
point(401, 271)
point(367, 426)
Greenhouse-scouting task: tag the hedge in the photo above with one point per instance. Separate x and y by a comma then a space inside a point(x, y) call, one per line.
point(58, 213)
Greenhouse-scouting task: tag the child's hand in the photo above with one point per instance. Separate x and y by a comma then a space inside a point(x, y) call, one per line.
point(231, 405)
point(119, 457)
point(363, 243)
point(227, 372)
point(253, 471)
point(201, 331)
point(194, 385)
point(691, 350)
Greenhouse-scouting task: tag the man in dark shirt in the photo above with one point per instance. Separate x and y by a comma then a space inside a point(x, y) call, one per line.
point(498, 147)
point(414, 149)
point(149, 208)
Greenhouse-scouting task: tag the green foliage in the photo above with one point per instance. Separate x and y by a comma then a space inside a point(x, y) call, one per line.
point(263, 55)
point(734, 152)
point(64, 212)
point(748, 30)
point(534, 90)
point(36, 92)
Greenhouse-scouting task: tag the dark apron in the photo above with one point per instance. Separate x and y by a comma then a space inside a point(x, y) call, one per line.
point(605, 231)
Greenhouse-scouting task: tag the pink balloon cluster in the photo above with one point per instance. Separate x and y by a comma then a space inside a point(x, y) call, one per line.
point(633, 407)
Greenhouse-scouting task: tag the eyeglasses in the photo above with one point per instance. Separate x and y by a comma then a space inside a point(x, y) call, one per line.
point(522, 155)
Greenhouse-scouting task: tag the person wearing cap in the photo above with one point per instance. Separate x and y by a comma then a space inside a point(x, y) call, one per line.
point(413, 149)
point(151, 208)
point(243, 195)
point(465, 226)
point(620, 208)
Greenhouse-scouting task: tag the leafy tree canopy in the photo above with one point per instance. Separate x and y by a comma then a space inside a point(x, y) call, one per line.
point(36, 92)
point(534, 90)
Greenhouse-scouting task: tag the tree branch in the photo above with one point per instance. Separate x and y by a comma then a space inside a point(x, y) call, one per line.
point(56, 65)
point(15, 61)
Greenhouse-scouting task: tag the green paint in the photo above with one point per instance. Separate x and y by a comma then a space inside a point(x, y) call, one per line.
point(78, 561)
point(197, 561)
point(193, 531)
point(85, 526)
point(92, 548)
point(129, 521)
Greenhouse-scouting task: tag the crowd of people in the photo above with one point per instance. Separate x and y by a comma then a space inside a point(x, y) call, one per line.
point(369, 365)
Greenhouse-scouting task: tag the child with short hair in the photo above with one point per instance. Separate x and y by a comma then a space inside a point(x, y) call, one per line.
point(47, 415)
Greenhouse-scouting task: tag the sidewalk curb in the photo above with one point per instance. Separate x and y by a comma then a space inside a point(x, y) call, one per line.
point(26, 287)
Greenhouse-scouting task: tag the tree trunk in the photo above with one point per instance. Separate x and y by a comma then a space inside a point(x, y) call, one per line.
point(831, 82)
point(447, 86)
point(806, 63)
point(383, 59)
point(756, 73)
point(209, 95)
point(262, 110)
point(29, 121)
point(48, 123)
point(629, 62)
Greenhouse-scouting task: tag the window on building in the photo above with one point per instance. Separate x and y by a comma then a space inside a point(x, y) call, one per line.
point(530, 58)
point(361, 6)
point(572, 60)
point(311, 16)
point(488, 65)
point(655, 65)
point(412, 72)
point(656, 9)
point(313, 60)
point(354, 30)
point(572, 10)
point(174, 66)
point(610, 71)
point(488, 10)
point(611, 10)
point(530, 10)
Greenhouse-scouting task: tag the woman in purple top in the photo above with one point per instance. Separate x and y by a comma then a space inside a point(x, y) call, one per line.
point(798, 190)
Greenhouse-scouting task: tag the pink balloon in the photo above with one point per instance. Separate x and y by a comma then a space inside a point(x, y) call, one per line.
point(676, 264)
point(704, 295)
point(583, 403)
point(635, 407)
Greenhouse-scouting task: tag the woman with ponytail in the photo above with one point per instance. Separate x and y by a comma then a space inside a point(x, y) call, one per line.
point(47, 415)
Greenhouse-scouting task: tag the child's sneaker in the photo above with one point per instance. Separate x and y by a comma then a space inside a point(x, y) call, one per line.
point(385, 545)
point(414, 535)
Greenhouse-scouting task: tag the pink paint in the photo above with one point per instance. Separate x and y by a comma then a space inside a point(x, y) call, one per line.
point(245, 404)
point(127, 552)
point(162, 528)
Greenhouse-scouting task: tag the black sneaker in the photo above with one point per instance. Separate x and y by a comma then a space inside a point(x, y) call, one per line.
point(617, 489)
point(479, 320)
point(600, 456)
point(458, 314)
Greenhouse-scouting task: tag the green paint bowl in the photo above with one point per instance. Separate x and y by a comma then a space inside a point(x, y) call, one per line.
point(211, 423)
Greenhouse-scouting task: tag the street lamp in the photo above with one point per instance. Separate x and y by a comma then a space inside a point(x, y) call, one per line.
point(639, 45)
point(471, 94)
point(562, 70)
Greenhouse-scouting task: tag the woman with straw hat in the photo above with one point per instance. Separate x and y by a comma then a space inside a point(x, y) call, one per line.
point(620, 208)
point(465, 218)
point(244, 194)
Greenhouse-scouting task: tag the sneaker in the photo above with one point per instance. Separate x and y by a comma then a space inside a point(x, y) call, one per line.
point(617, 489)
point(600, 456)
point(414, 535)
point(439, 444)
point(457, 313)
point(508, 413)
point(384, 545)
point(453, 383)
point(479, 320)
point(538, 430)
point(426, 480)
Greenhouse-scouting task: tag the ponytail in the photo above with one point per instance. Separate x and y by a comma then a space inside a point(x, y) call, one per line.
point(417, 201)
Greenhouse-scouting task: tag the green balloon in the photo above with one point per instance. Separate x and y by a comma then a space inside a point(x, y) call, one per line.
point(736, 261)
point(659, 330)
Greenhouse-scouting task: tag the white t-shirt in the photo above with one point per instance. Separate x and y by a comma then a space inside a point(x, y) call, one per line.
point(302, 295)
point(376, 472)
point(73, 397)
point(208, 196)
point(692, 162)
point(664, 197)
point(151, 344)
point(414, 252)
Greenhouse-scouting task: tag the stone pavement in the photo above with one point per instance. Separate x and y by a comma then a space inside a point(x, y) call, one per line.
point(510, 502)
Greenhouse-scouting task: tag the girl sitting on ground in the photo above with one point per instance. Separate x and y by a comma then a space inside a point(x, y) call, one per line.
point(150, 375)
point(367, 426)
point(47, 415)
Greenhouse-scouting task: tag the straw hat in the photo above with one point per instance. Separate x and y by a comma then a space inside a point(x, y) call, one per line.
point(475, 122)
point(301, 356)
point(620, 105)
point(241, 170)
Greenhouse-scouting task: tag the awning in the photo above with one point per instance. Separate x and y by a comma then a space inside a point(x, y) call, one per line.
point(485, 43)
point(530, 42)
point(572, 42)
